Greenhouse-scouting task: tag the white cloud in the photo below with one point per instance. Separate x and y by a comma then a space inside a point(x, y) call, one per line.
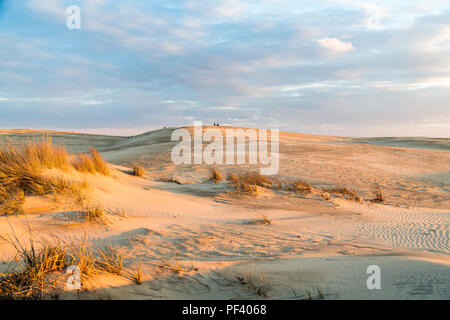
point(335, 44)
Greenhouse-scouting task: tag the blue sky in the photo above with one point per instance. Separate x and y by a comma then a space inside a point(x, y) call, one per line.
point(337, 67)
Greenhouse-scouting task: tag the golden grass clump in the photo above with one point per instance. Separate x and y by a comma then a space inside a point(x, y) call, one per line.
point(46, 154)
point(11, 200)
point(109, 260)
point(300, 186)
point(379, 197)
point(100, 164)
point(346, 193)
point(92, 163)
point(216, 176)
point(94, 213)
point(256, 284)
point(85, 164)
point(27, 277)
point(139, 171)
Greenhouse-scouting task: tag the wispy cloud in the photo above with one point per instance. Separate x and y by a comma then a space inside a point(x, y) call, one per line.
point(335, 44)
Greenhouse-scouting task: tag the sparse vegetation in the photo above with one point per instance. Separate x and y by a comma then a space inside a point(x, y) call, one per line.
point(92, 163)
point(249, 183)
point(379, 197)
point(27, 277)
point(255, 283)
point(11, 201)
point(263, 220)
point(216, 176)
point(300, 186)
point(109, 260)
point(139, 171)
point(22, 174)
point(346, 193)
point(94, 213)
point(138, 275)
point(177, 268)
point(176, 180)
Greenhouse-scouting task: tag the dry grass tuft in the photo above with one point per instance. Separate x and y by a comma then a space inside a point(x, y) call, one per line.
point(21, 173)
point(177, 268)
point(139, 171)
point(216, 176)
point(379, 197)
point(300, 186)
point(27, 277)
point(249, 183)
point(346, 193)
point(94, 213)
point(85, 164)
point(100, 164)
point(109, 260)
point(11, 201)
point(266, 220)
point(92, 163)
point(235, 180)
point(255, 283)
point(263, 220)
point(138, 275)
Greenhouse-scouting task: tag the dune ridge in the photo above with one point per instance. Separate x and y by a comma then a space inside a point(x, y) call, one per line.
point(194, 239)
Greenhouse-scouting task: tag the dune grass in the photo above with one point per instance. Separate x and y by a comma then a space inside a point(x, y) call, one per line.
point(94, 213)
point(300, 186)
point(22, 174)
point(216, 176)
point(345, 192)
point(27, 276)
point(379, 197)
point(138, 171)
point(92, 162)
point(138, 275)
point(249, 183)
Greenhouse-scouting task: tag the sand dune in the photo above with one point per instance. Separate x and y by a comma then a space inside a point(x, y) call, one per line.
point(312, 245)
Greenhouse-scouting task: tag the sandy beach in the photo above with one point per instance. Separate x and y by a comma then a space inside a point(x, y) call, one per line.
point(196, 239)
